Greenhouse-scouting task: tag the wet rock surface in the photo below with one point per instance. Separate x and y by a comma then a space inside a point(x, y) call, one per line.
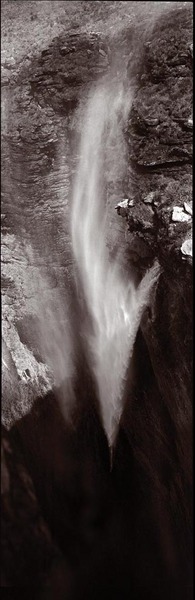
point(61, 87)
point(43, 98)
point(160, 138)
point(159, 225)
point(36, 174)
point(39, 161)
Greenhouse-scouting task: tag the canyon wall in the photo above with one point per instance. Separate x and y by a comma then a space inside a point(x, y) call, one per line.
point(43, 102)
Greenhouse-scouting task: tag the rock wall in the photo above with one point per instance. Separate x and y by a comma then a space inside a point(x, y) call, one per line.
point(159, 224)
point(37, 168)
point(160, 141)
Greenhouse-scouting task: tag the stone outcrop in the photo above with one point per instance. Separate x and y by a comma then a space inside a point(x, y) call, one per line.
point(160, 139)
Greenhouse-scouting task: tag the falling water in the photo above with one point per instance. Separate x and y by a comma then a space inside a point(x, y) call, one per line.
point(114, 304)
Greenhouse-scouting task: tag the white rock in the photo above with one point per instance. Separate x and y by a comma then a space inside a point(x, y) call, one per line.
point(122, 204)
point(188, 207)
point(190, 121)
point(179, 216)
point(186, 247)
point(149, 198)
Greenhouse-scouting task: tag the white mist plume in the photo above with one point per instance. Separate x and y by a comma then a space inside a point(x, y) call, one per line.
point(115, 305)
point(52, 330)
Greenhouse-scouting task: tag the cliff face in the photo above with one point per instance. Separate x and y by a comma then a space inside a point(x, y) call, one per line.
point(37, 168)
point(160, 136)
point(43, 98)
point(159, 217)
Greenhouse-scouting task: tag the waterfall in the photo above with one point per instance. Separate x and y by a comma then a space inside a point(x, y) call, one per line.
point(114, 303)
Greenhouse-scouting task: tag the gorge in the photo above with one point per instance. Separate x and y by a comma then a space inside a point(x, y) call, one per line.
point(97, 300)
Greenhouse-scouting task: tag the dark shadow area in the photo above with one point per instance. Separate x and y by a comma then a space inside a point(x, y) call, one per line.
point(114, 530)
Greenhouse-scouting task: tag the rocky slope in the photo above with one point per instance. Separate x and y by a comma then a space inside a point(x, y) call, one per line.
point(44, 90)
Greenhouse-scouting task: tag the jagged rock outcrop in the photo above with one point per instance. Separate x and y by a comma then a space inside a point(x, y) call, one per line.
point(60, 86)
point(160, 140)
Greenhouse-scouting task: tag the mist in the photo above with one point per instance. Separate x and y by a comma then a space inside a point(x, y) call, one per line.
point(114, 303)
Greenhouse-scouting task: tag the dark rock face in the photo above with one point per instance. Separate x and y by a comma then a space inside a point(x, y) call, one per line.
point(163, 104)
point(69, 524)
point(161, 149)
point(160, 138)
point(160, 142)
point(60, 87)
